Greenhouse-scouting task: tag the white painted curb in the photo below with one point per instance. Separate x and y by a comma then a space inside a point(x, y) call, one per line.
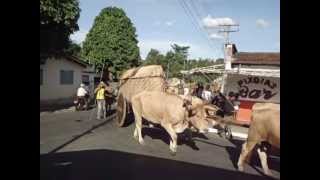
point(235, 134)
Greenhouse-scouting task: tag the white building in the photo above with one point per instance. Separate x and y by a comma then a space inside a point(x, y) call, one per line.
point(60, 78)
point(255, 75)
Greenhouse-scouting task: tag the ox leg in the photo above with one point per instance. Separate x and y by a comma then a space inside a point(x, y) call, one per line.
point(138, 129)
point(135, 134)
point(246, 149)
point(263, 159)
point(173, 141)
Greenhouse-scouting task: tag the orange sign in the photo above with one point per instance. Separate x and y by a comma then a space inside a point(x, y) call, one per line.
point(244, 113)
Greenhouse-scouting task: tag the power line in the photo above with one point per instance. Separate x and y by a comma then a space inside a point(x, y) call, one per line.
point(204, 10)
point(192, 21)
point(193, 6)
point(189, 13)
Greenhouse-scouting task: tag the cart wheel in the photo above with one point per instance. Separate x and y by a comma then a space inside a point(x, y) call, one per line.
point(121, 110)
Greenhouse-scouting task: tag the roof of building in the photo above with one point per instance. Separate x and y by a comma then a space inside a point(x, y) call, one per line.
point(257, 58)
point(71, 58)
point(77, 60)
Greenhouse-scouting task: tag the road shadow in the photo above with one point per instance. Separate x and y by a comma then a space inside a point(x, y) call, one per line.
point(234, 153)
point(159, 132)
point(107, 164)
point(88, 131)
point(55, 107)
point(110, 112)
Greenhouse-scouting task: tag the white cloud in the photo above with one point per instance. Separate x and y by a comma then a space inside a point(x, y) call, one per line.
point(79, 36)
point(262, 23)
point(215, 36)
point(169, 23)
point(210, 22)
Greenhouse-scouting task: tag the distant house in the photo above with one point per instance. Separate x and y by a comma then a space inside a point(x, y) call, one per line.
point(255, 75)
point(60, 78)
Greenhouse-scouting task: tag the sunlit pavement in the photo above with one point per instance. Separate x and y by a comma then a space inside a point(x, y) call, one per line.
point(79, 135)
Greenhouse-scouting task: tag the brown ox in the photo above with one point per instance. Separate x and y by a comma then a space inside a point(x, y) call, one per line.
point(265, 127)
point(172, 112)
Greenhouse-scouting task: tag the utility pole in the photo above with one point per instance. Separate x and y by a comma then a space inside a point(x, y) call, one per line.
point(226, 29)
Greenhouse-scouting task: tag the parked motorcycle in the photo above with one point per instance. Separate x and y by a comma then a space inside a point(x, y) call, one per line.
point(81, 103)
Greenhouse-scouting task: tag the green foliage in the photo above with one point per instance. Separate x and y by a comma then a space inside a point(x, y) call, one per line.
point(73, 49)
point(220, 61)
point(58, 19)
point(112, 41)
point(176, 59)
point(154, 57)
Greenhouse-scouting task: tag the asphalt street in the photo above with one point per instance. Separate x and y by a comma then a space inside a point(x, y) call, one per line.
point(74, 145)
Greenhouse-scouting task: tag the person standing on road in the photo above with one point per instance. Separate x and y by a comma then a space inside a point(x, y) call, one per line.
point(198, 91)
point(234, 98)
point(207, 94)
point(100, 97)
point(82, 95)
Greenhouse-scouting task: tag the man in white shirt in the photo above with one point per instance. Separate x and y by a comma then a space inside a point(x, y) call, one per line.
point(186, 91)
point(207, 94)
point(82, 92)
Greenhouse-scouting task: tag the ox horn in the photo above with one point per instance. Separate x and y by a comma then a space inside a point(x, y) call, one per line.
point(211, 107)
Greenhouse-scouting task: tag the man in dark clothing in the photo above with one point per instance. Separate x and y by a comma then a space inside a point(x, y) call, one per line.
point(199, 91)
point(219, 101)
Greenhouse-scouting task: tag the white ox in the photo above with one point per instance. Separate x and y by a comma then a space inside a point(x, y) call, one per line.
point(265, 127)
point(172, 112)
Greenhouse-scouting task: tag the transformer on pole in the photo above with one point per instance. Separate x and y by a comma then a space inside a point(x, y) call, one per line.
point(226, 29)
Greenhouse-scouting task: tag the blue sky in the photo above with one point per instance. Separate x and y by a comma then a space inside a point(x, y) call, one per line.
point(160, 23)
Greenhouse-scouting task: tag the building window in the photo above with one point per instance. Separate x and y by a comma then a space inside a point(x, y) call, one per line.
point(85, 80)
point(66, 77)
point(41, 76)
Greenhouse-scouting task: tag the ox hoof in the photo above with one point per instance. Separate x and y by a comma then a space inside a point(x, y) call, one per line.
point(173, 153)
point(240, 168)
point(268, 173)
point(142, 143)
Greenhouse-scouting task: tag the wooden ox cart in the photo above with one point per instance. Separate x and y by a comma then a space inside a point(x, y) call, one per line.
point(134, 81)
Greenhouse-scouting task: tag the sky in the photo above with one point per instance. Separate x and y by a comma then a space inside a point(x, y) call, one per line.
point(194, 23)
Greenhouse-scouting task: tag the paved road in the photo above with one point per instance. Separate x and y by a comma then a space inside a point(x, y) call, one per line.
point(74, 147)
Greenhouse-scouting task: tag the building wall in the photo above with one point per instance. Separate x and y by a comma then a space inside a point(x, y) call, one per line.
point(257, 66)
point(51, 89)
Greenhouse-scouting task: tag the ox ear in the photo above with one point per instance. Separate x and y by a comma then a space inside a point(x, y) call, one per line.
point(190, 110)
point(187, 104)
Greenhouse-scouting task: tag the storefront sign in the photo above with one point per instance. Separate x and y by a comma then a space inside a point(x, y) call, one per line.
point(254, 88)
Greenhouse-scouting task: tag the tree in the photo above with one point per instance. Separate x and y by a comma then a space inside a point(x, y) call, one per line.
point(176, 59)
point(112, 41)
point(154, 57)
point(58, 19)
point(220, 61)
point(180, 50)
point(73, 49)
